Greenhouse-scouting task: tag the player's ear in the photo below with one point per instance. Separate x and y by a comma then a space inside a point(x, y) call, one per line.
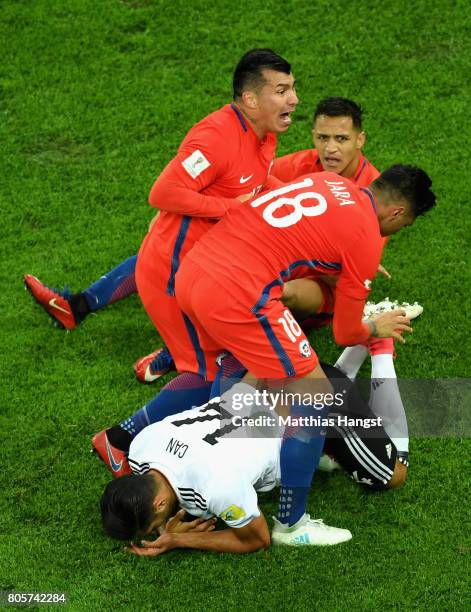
point(159, 502)
point(250, 99)
point(361, 140)
point(398, 211)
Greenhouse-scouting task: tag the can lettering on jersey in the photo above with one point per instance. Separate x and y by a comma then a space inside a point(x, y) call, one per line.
point(176, 448)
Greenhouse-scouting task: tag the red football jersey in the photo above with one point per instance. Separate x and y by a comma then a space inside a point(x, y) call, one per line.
point(290, 167)
point(321, 222)
point(220, 158)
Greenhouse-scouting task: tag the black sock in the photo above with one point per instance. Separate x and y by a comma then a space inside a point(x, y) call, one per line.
point(119, 438)
point(79, 305)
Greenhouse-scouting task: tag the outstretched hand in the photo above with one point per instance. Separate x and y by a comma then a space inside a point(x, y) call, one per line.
point(392, 325)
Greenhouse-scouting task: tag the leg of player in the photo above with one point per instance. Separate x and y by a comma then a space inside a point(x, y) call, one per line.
point(182, 393)
point(115, 285)
point(230, 372)
point(351, 360)
point(369, 458)
point(311, 301)
point(360, 443)
point(302, 296)
point(305, 298)
point(385, 398)
point(69, 309)
point(300, 453)
point(151, 367)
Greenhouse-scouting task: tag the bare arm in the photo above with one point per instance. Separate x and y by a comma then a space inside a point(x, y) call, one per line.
point(250, 538)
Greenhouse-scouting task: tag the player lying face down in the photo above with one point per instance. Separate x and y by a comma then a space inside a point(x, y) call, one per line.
point(190, 461)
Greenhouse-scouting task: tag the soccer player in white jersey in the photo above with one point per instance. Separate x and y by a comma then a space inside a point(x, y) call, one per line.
point(206, 463)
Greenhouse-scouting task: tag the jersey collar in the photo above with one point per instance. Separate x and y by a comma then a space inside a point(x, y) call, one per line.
point(371, 197)
point(248, 129)
point(360, 168)
point(240, 117)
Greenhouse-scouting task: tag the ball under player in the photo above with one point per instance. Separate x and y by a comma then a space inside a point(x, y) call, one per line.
point(321, 222)
point(338, 137)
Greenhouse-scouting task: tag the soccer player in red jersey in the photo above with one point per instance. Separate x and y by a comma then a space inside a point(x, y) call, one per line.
point(230, 286)
point(338, 138)
point(226, 156)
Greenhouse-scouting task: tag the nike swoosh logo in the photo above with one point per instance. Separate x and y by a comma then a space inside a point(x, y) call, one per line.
point(114, 466)
point(52, 302)
point(149, 377)
point(243, 179)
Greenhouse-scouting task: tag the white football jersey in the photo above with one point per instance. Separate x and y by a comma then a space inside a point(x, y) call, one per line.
point(212, 473)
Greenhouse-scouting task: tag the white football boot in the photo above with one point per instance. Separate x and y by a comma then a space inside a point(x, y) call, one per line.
point(308, 532)
point(412, 310)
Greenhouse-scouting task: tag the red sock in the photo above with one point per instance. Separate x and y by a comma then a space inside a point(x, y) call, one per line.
point(381, 346)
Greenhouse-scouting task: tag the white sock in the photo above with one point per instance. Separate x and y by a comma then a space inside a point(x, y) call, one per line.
point(386, 402)
point(351, 360)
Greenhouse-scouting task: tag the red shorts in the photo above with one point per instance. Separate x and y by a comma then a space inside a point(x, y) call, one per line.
point(268, 342)
point(152, 279)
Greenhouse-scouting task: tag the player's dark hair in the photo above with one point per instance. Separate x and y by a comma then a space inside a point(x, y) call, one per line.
point(248, 72)
point(407, 183)
point(340, 107)
point(127, 506)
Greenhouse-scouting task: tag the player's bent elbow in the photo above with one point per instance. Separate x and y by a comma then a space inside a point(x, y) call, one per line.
point(253, 544)
point(265, 542)
point(161, 192)
point(257, 536)
point(153, 198)
point(259, 543)
point(398, 479)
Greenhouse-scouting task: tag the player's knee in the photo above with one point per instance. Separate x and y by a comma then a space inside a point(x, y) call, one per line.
point(289, 295)
point(398, 479)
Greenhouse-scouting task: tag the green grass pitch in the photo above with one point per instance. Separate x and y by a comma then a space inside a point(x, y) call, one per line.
point(94, 99)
